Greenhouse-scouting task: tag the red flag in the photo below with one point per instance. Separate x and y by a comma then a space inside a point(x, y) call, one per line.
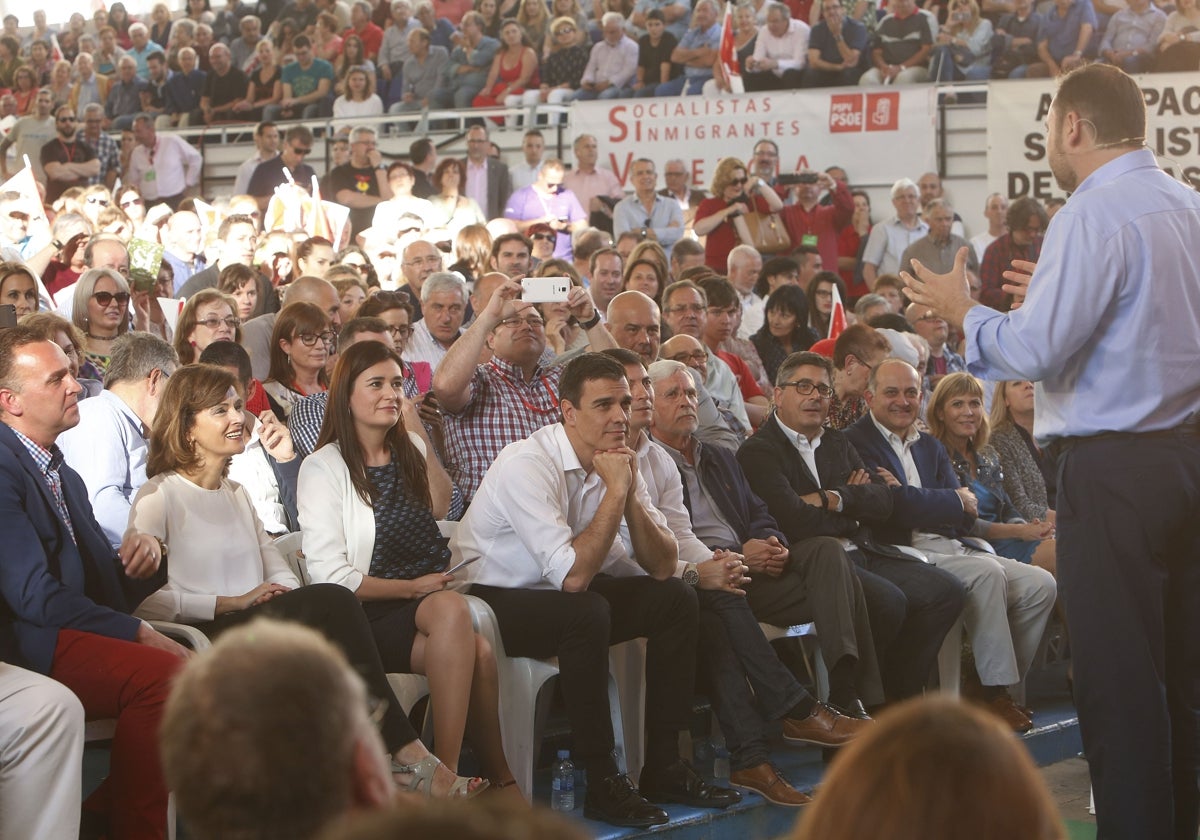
point(727, 53)
point(837, 318)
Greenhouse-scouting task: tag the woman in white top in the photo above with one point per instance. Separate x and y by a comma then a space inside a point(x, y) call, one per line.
point(358, 100)
point(368, 501)
point(225, 570)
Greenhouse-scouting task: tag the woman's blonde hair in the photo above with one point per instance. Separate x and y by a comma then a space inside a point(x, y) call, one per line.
point(83, 292)
point(723, 175)
point(956, 385)
point(933, 767)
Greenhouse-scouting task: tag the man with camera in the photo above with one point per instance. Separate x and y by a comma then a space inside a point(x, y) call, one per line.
point(810, 223)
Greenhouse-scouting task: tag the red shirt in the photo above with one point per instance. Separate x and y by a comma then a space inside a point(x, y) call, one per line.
point(823, 221)
point(745, 377)
point(372, 38)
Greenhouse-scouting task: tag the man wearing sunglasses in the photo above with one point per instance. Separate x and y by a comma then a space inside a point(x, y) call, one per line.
point(297, 144)
point(68, 162)
point(546, 202)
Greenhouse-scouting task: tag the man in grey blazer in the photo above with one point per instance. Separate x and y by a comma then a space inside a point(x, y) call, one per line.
point(488, 181)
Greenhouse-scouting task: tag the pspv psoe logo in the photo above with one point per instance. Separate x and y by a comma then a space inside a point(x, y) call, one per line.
point(864, 112)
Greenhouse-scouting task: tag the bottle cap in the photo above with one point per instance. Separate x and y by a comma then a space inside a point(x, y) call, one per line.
point(564, 754)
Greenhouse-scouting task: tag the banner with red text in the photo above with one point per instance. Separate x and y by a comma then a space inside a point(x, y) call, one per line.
point(1017, 112)
point(876, 134)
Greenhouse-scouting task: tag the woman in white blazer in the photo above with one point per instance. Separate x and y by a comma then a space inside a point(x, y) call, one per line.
point(369, 500)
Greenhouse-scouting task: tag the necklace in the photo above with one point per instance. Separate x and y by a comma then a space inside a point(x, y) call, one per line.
point(101, 337)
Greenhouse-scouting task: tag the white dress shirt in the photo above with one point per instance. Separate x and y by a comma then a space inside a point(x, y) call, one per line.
point(108, 449)
point(903, 449)
point(534, 500)
point(165, 170)
point(423, 347)
point(790, 51)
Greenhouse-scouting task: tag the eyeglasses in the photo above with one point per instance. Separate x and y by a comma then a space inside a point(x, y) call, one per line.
point(95, 199)
point(739, 182)
point(214, 323)
point(532, 321)
point(311, 339)
point(804, 388)
point(695, 356)
point(300, 151)
point(544, 237)
point(694, 308)
point(105, 298)
point(565, 30)
point(404, 331)
point(133, 202)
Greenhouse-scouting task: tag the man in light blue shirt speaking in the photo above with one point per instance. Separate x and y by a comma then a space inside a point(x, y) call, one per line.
point(1110, 329)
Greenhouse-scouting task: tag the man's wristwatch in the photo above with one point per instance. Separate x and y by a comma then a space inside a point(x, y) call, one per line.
point(691, 575)
point(591, 322)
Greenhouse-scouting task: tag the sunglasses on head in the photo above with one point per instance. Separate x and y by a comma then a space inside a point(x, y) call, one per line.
point(105, 298)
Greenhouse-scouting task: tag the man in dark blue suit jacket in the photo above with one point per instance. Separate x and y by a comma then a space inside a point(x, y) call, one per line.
point(65, 597)
point(827, 492)
point(1008, 603)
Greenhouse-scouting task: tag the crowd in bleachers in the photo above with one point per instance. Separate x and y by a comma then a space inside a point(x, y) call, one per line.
point(328, 58)
point(716, 421)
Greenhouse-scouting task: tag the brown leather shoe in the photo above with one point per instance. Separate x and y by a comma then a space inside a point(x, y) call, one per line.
point(768, 783)
point(1004, 708)
point(825, 727)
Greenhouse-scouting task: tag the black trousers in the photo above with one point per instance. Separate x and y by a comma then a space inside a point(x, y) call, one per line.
point(578, 628)
point(336, 612)
point(1128, 520)
point(912, 606)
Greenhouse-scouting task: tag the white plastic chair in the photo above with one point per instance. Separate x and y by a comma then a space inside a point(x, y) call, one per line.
point(524, 704)
point(817, 671)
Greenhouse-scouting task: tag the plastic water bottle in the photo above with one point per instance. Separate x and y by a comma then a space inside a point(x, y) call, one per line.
point(562, 785)
point(720, 759)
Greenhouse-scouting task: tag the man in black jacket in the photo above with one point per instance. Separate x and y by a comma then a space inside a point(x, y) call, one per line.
point(815, 483)
point(810, 580)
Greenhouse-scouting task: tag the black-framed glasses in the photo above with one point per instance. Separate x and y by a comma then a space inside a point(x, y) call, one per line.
point(402, 332)
point(105, 298)
point(311, 339)
point(214, 323)
point(804, 387)
point(534, 322)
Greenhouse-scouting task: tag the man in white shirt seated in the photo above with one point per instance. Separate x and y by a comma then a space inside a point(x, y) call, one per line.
point(780, 52)
point(573, 557)
point(110, 445)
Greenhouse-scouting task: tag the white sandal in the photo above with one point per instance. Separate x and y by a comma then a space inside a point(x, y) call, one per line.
point(422, 773)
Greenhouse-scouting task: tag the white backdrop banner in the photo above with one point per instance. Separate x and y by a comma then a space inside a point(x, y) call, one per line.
point(1016, 131)
point(877, 134)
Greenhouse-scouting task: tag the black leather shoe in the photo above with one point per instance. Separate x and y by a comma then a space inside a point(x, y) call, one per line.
point(853, 709)
point(615, 800)
point(680, 784)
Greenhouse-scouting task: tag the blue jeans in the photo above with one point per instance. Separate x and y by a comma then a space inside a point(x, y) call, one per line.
point(693, 85)
point(736, 657)
point(611, 92)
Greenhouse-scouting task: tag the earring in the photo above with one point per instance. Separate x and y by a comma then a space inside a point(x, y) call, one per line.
point(289, 359)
